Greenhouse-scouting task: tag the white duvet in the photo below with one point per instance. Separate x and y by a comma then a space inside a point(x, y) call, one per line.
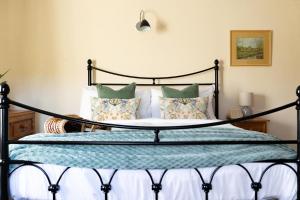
point(230, 182)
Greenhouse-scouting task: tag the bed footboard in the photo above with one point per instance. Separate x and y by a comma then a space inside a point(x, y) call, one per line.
point(156, 186)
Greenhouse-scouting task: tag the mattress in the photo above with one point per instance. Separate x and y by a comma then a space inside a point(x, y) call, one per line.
point(229, 182)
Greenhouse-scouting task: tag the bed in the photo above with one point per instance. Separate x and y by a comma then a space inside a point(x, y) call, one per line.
point(150, 158)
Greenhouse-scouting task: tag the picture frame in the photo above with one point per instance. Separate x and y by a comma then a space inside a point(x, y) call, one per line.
point(251, 48)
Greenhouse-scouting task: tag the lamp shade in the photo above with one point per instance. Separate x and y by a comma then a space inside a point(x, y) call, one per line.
point(143, 26)
point(245, 99)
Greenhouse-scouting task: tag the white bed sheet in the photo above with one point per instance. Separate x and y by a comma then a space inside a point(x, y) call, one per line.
point(230, 182)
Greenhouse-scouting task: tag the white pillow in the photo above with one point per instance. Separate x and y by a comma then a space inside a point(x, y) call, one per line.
point(88, 93)
point(144, 110)
point(155, 106)
point(204, 91)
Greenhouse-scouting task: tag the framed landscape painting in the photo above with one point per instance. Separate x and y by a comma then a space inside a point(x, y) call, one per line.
point(251, 48)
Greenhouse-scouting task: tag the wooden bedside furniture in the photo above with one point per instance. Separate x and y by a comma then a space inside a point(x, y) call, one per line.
point(21, 123)
point(258, 124)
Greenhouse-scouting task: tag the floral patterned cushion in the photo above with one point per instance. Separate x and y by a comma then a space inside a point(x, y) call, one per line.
point(114, 109)
point(183, 108)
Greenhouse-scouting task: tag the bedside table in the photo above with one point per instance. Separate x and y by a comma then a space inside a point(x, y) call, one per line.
point(258, 124)
point(21, 123)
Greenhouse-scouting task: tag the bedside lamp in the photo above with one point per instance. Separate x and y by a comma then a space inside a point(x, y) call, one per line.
point(245, 101)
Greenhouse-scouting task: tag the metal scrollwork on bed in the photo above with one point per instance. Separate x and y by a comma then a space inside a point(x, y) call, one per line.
point(156, 186)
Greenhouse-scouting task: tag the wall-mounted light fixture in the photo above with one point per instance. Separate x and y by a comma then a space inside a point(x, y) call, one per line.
point(143, 24)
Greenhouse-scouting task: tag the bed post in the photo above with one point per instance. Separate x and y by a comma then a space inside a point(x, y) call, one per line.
point(217, 88)
point(4, 105)
point(298, 142)
point(89, 68)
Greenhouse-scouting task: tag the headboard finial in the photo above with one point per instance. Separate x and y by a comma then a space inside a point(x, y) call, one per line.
point(216, 62)
point(298, 91)
point(89, 61)
point(4, 89)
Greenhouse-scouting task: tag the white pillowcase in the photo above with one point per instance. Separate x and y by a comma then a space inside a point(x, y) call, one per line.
point(88, 93)
point(155, 105)
point(204, 91)
point(144, 110)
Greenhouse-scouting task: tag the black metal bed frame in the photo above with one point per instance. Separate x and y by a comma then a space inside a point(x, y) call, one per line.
point(156, 187)
point(216, 68)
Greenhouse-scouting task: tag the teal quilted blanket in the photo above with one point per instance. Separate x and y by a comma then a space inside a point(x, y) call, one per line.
point(152, 157)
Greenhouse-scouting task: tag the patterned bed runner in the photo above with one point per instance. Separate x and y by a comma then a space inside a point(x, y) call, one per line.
point(152, 157)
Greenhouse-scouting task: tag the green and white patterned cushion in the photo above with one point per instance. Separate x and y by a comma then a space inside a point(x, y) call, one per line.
point(114, 109)
point(183, 108)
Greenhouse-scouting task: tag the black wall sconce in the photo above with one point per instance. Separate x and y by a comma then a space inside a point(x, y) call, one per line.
point(143, 25)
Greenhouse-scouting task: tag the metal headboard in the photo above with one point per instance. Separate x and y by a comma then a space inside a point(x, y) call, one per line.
point(156, 79)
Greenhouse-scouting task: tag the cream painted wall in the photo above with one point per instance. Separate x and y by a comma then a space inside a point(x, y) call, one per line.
point(49, 41)
point(3, 33)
